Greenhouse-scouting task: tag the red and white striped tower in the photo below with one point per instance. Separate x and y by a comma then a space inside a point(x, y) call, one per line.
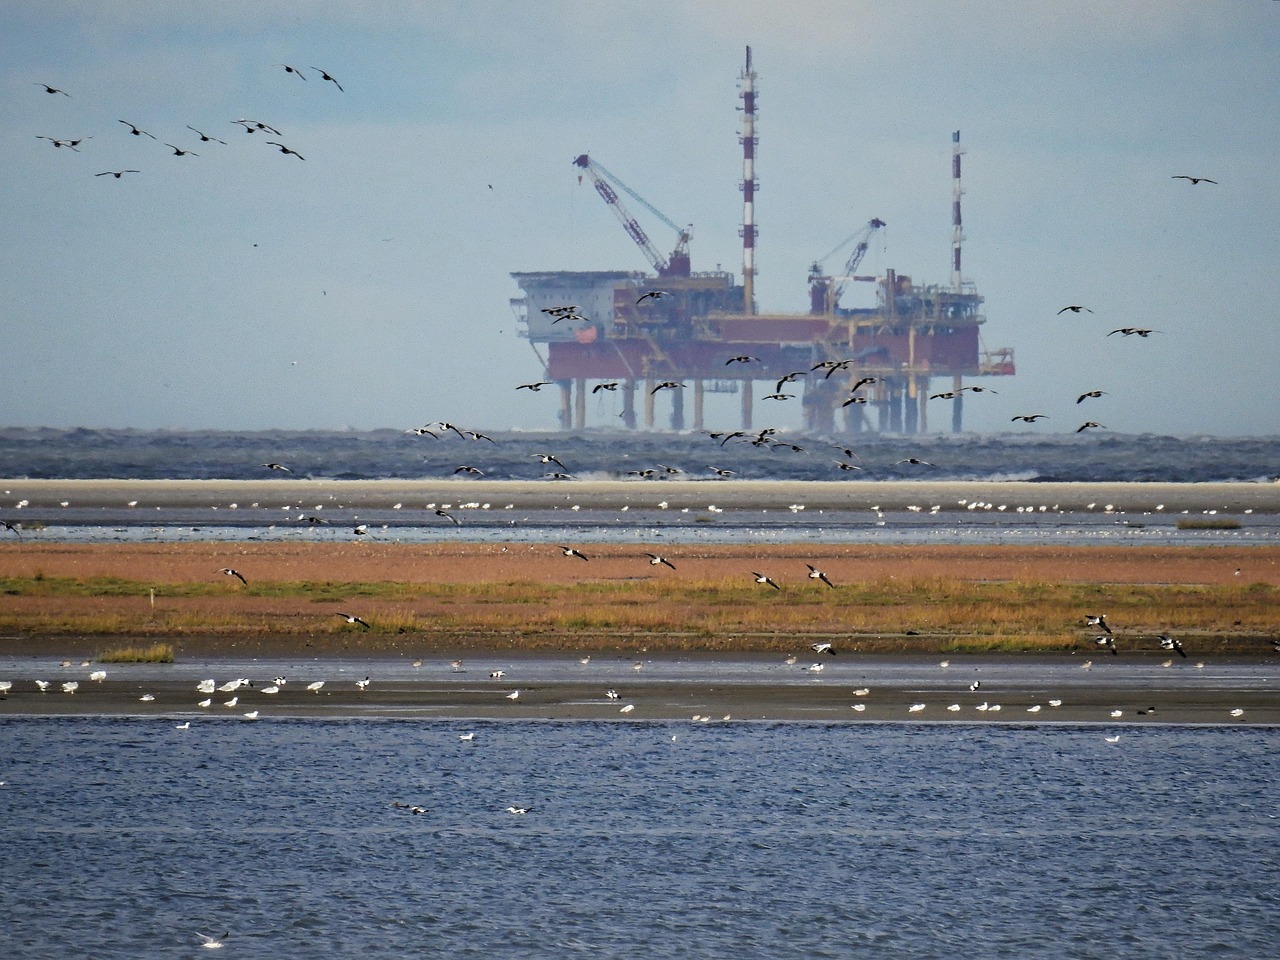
point(749, 185)
point(957, 231)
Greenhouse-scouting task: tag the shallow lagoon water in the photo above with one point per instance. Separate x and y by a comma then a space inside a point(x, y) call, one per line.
point(648, 839)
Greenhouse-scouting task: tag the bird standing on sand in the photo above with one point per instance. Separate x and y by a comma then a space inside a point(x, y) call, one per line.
point(230, 572)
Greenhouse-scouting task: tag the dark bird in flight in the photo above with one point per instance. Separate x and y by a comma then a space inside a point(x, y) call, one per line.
point(235, 573)
point(1089, 424)
point(205, 138)
point(1074, 308)
point(286, 150)
point(854, 400)
point(1194, 180)
point(535, 387)
point(823, 647)
point(571, 552)
point(720, 472)
point(666, 385)
point(1029, 417)
point(473, 435)
point(916, 462)
point(569, 316)
point(845, 465)
point(863, 381)
point(1109, 642)
point(470, 471)
point(445, 515)
point(789, 378)
point(49, 89)
point(655, 294)
point(277, 466)
point(115, 173)
point(325, 76)
point(1094, 394)
point(137, 131)
point(1130, 331)
point(742, 359)
point(611, 385)
point(253, 126)
point(816, 574)
point(72, 144)
point(778, 396)
point(352, 618)
point(549, 458)
point(179, 152)
point(560, 311)
point(977, 389)
point(948, 395)
point(12, 527)
point(655, 560)
point(761, 578)
point(294, 70)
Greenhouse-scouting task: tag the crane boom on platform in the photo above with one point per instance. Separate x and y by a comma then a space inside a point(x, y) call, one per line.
point(863, 241)
point(677, 265)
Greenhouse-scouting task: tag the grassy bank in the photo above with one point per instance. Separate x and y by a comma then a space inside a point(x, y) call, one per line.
point(933, 613)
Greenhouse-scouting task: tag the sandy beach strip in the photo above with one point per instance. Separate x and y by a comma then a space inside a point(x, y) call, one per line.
point(844, 495)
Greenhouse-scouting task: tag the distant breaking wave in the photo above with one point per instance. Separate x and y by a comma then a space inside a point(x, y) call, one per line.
point(643, 457)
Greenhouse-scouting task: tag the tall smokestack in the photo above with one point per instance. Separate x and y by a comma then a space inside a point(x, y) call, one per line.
point(749, 185)
point(957, 231)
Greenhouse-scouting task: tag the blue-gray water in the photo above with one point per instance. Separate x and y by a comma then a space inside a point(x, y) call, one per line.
point(378, 454)
point(123, 838)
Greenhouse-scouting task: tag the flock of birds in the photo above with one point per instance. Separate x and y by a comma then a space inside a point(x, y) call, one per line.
point(249, 126)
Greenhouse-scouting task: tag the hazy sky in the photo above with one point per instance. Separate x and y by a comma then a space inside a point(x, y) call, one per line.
point(368, 285)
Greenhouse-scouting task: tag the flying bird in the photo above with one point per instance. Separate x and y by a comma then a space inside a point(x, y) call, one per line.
point(916, 462)
point(548, 458)
point(286, 150)
point(1094, 394)
point(49, 89)
point(470, 471)
point(1089, 424)
point(778, 396)
point(1029, 417)
point(1097, 620)
point(1109, 642)
point(816, 574)
point(1171, 643)
point(1074, 308)
point(611, 385)
point(137, 131)
point(655, 294)
point(445, 515)
point(115, 173)
point(571, 552)
point(1143, 332)
point(253, 126)
point(277, 466)
point(1194, 180)
point(823, 647)
point(235, 573)
point(351, 618)
point(742, 359)
point(535, 387)
point(179, 152)
point(212, 943)
point(69, 144)
point(665, 385)
point(761, 578)
point(854, 400)
point(655, 560)
point(325, 76)
point(205, 138)
point(294, 70)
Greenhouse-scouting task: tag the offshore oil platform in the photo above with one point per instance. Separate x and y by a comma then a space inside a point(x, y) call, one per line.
point(870, 368)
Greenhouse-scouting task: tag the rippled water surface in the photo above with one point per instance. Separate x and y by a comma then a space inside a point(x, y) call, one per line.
point(123, 838)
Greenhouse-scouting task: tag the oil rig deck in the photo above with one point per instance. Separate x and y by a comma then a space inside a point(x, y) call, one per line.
point(852, 370)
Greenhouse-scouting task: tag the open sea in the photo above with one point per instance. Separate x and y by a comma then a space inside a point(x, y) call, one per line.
point(124, 837)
